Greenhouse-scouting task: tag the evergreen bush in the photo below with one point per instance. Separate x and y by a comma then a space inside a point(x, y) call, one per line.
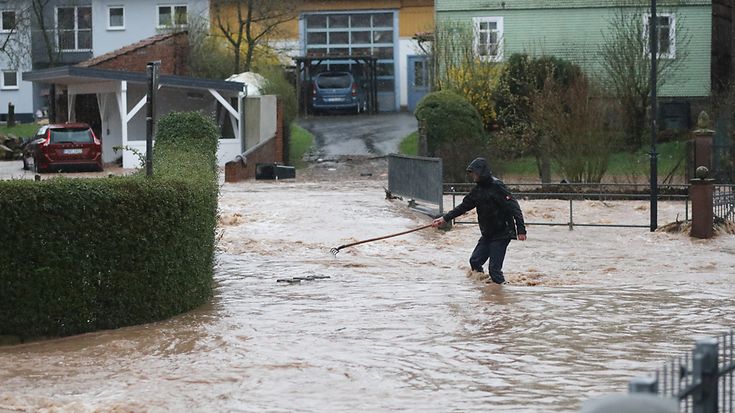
point(87, 254)
point(454, 131)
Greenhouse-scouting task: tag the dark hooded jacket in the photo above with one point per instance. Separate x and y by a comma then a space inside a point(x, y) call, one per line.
point(498, 213)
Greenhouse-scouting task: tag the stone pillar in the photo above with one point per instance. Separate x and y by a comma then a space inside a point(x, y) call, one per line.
point(701, 192)
point(703, 137)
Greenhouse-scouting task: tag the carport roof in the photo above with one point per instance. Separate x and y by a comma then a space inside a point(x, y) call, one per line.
point(67, 75)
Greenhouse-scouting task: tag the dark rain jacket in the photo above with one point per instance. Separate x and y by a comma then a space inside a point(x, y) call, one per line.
point(498, 213)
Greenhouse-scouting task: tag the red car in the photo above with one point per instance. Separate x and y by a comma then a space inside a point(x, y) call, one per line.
point(63, 146)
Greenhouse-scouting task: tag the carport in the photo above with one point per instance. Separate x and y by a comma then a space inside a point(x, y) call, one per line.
point(121, 96)
point(307, 65)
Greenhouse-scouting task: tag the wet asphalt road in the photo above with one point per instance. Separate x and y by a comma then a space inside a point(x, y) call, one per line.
point(338, 135)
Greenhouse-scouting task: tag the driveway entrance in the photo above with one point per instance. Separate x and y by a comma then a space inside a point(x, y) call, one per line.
point(359, 135)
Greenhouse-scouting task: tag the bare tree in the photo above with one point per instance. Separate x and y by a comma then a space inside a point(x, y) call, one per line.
point(575, 122)
point(626, 63)
point(248, 24)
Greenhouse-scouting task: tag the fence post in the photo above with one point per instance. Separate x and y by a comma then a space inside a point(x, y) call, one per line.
point(701, 193)
point(703, 137)
point(643, 385)
point(705, 373)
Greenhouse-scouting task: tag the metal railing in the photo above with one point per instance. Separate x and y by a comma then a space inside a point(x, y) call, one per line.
point(581, 192)
point(724, 201)
point(416, 178)
point(702, 381)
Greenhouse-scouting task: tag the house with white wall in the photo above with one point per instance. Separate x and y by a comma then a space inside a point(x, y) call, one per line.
point(14, 59)
point(72, 31)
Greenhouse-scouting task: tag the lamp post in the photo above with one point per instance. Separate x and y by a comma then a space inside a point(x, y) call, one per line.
point(653, 41)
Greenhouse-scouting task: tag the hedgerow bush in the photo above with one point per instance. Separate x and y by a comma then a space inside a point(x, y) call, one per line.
point(454, 131)
point(87, 254)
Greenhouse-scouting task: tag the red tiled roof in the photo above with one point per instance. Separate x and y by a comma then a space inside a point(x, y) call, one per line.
point(129, 48)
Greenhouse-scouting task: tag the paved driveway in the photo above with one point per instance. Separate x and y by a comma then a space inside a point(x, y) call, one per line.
point(14, 170)
point(359, 135)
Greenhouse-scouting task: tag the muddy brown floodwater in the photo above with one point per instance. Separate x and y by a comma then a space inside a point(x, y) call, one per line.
point(399, 325)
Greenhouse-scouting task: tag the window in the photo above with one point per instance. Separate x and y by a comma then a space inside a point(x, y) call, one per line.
point(9, 79)
point(74, 28)
point(172, 16)
point(115, 18)
point(7, 22)
point(488, 39)
point(666, 25)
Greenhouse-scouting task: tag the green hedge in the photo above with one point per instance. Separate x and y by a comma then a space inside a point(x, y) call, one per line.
point(454, 131)
point(87, 254)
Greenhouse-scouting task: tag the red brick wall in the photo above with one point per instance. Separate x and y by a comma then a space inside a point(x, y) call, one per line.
point(172, 53)
point(270, 151)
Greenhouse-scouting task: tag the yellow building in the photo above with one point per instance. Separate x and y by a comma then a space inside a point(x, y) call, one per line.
point(381, 28)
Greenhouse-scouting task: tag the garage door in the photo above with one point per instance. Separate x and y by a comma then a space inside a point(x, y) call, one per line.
point(357, 33)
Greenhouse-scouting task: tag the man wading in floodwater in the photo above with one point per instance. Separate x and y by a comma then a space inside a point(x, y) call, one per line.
point(498, 214)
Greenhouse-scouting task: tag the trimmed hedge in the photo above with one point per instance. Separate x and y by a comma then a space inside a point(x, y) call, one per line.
point(454, 131)
point(82, 255)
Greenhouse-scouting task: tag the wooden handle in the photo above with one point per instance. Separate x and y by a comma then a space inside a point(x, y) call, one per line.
point(383, 237)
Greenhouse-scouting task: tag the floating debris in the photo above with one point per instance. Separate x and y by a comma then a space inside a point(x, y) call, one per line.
point(296, 280)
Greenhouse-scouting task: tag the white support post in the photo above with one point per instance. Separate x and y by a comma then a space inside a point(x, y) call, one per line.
point(70, 113)
point(122, 104)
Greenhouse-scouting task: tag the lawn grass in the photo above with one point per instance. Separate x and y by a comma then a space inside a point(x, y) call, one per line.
point(410, 144)
point(300, 143)
point(21, 130)
point(631, 166)
point(624, 165)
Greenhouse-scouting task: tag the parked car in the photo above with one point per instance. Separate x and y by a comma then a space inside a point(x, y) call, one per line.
point(337, 90)
point(63, 146)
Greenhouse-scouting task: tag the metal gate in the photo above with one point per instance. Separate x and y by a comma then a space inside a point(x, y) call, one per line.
point(723, 202)
point(417, 178)
point(702, 381)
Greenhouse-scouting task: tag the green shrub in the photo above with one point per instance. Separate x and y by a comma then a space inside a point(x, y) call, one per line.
point(301, 142)
point(454, 131)
point(89, 254)
point(524, 76)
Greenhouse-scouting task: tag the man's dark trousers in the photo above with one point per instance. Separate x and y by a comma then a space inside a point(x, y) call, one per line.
point(494, 250)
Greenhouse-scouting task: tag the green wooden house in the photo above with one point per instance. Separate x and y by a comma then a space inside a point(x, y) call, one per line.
point(575, 30)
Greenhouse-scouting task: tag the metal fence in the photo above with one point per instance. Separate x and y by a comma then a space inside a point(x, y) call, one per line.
point(723, 201)
point(702, 380)
point(574, 192)
point(416, 178)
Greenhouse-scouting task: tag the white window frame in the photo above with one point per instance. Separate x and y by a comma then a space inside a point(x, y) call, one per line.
point(172, 8)
point(109, 25)
point(76, 28)
point(3, 86)
point(671, 54)
point(2, 28)
point(476, 22)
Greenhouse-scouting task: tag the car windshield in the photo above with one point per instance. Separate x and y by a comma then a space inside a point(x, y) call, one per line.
point(81, 135)
point(334, 80)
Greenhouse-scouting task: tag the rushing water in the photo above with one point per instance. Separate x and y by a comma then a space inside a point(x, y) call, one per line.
point(399, 325)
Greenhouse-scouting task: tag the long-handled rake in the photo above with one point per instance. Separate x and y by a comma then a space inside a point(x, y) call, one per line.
point(336, 250)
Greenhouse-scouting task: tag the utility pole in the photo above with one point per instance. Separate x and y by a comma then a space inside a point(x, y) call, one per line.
point(653, 41)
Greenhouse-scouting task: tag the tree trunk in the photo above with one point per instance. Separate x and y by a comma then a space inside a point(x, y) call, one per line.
point(545, 160)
